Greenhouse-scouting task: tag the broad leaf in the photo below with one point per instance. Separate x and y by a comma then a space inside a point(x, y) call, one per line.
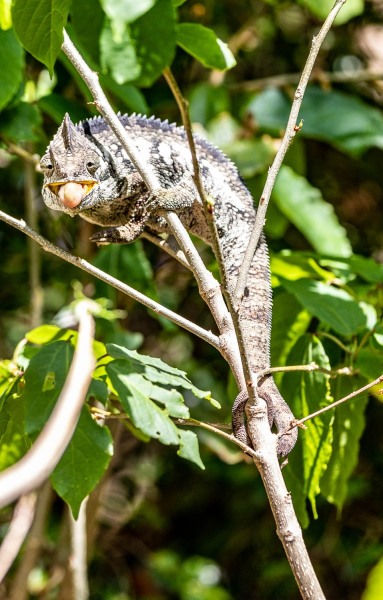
point(82, 14)
point(11, 55)
point(139, 51)
point(343, 120)
point(39, 25)
point(126, 10)
point(189, 448)
point(374, 587)
point(349, 424)
point(44, 380)
point(144, 413)
point(203, 44)
point(290, 322)
point(307, 392)
point(157, 371)
point(305, 207)
point(83, 463)
point(332, 305)
point(14, 442)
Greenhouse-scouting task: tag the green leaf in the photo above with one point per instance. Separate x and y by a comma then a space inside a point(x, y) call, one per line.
point(83, 463)
point(21, 123)
point(343, 120)
point(5, 14)
point(11, 55)
point(189, 448)
point(43, 334)
point(140, 51)
point(304, 206)
point(290, 322)
point(351, 9)
point(349, 424)
point(82, 14)
point(307, 392)
point(206, 101)
point(44, 380)
point(39, 25)
point(144, 413)
point(251, 156)
point(14, 442)
point(369, 362)
point(332, 305)
point(156, 371)
point(203, 45)
point(126, 10)
point(295, 265)
point(374, 587)
point(119, 56)
point(155, 39)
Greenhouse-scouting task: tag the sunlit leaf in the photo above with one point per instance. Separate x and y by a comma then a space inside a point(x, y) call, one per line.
point(307, 392)
point(39, 26)
point(203, 44)
point(332, 305)
point(348, 427)
point(11, 54)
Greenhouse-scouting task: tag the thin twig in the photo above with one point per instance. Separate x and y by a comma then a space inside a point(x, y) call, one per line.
point(289, 135)
point(19, 585)
point(126, 289)
point(337, 402)
point(38, 463)
point(359, 76)
point(21, 152)
point(17, 532)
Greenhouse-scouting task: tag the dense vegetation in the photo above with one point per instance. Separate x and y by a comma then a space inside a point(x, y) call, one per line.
point(160, 526)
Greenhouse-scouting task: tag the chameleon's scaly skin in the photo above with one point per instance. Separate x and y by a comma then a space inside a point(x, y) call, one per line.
point(112, 194)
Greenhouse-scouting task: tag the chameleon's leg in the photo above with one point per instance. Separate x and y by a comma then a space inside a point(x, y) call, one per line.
point(123, 234)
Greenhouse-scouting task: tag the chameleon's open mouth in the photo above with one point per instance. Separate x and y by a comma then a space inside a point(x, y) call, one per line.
point(71, 193)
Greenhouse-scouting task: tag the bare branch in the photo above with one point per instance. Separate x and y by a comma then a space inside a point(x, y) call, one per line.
point(291, 129)
point(285, 79)
point(209, 337)
point(17, 532)
point(36, 466)
point(19, 586)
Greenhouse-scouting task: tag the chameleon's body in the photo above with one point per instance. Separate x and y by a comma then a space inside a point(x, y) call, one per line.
point(88, 173)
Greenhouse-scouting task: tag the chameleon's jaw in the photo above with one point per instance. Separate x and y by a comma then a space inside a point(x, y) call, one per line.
point(71, 193)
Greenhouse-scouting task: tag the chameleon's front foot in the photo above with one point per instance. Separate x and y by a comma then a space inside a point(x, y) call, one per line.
point(124, 234)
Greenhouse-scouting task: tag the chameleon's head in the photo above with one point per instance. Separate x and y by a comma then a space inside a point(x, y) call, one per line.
point(70, 166)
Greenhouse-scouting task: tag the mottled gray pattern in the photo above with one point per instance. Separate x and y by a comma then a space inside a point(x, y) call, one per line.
point(89, 152)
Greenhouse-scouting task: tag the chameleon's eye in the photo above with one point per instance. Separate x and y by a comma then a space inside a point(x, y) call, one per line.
point(46, 166)
point(92, 165)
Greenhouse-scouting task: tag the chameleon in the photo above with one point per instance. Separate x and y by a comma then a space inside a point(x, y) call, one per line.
point(88, 173)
